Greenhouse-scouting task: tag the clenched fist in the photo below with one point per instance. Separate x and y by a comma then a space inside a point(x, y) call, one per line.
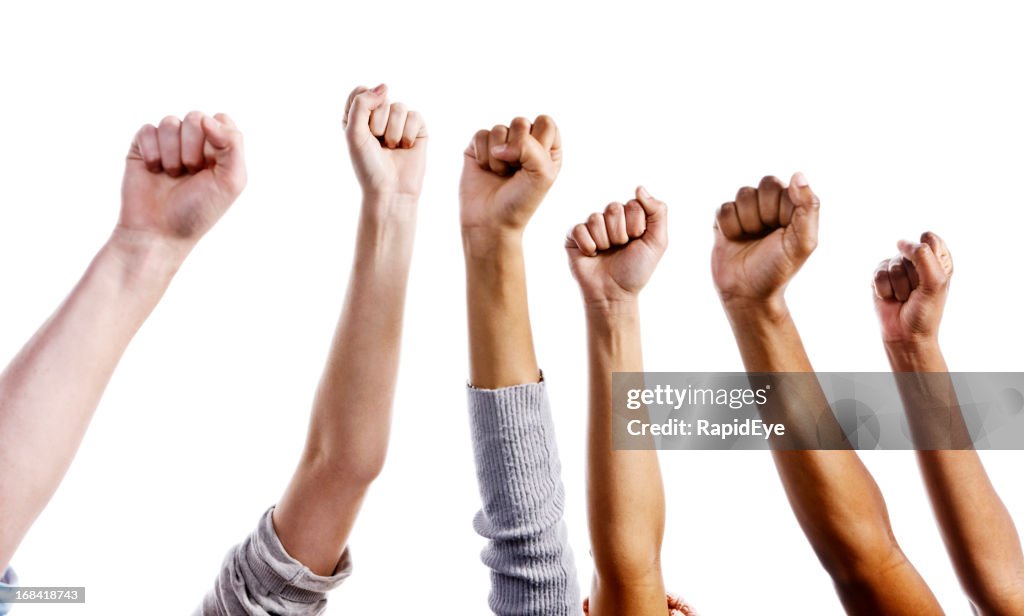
point(181, 177)
point(614, 253)
point(388, 144)
point(506, 174)
point(763, 238)
point(911, 289)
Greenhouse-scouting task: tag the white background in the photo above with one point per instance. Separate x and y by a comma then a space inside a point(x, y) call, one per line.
point(904, 116)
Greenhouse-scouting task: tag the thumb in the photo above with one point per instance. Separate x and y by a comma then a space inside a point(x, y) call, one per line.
point(930, 273)
point(656, 214)
point(225, 143)
point(363, 103)
point(527, 152)
point(805, 206)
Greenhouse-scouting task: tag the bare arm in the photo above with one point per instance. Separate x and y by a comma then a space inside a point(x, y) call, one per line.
point(980, 536)
point(179, 179)
point(612, 255)
point(351, 418)
point(762, 239)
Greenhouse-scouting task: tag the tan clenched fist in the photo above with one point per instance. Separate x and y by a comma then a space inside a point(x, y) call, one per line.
point(507, 172)
point(614, 253)
point(182, 176)
point(387, 143)
point(763, 238)
point(911, 289)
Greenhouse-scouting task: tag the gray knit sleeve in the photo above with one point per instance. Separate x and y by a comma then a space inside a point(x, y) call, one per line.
point(519, 473)
point(259, 578)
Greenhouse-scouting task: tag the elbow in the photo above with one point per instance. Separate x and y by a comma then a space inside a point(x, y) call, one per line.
point(625, 569)
point(857, 556)
point(993, 592)
point(357, 468)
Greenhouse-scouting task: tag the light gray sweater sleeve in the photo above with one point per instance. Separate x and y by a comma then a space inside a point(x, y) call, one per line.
point(519, 473)
point(259, 578)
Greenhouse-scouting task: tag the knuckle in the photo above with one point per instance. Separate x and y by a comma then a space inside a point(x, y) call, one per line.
point(595, 219)
point(169, 122)
point(361, 101)
point(544, 121)
point(399, 108)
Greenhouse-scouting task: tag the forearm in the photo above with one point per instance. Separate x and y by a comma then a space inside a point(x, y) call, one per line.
point(500, 340)
point(351, 417)
point(351, 412)
point(532, 569)
point(50, 390)
point(834, 497)
point(978, 531)
point(626, 502)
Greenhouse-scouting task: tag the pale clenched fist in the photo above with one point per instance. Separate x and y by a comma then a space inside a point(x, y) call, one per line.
point(387, 142)
point(911, 289)
point(507, 172)
point(763, 238)
point(614, 253)
point(182, 176)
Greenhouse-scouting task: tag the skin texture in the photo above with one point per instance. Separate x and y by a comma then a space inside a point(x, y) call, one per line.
point(979, 534)
point(612, 255)
point(351, 418)
point(179, 180)
point(762, 238)
point(506, 173)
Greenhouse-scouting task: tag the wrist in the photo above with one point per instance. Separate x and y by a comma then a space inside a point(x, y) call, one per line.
point(771, 309)
point(386, 206)
point(611, 310)
point(144, 257)
point(486, 243)
point(916, 355)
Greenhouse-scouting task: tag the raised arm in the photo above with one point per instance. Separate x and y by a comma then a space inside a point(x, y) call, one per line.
point(980, 537)
point(351, 419)
point(761, 241)
point(179, 179)
point(612, 256)
point(298, 552)
point(507, 171)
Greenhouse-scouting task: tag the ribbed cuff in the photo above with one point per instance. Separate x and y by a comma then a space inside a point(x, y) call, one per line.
point(284, 576)
point(516, 457)
point(260, 578)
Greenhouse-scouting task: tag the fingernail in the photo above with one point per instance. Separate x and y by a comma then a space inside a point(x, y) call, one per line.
point(800, 180)
point(380, 89)
point(499, 149)
point(643, 193)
